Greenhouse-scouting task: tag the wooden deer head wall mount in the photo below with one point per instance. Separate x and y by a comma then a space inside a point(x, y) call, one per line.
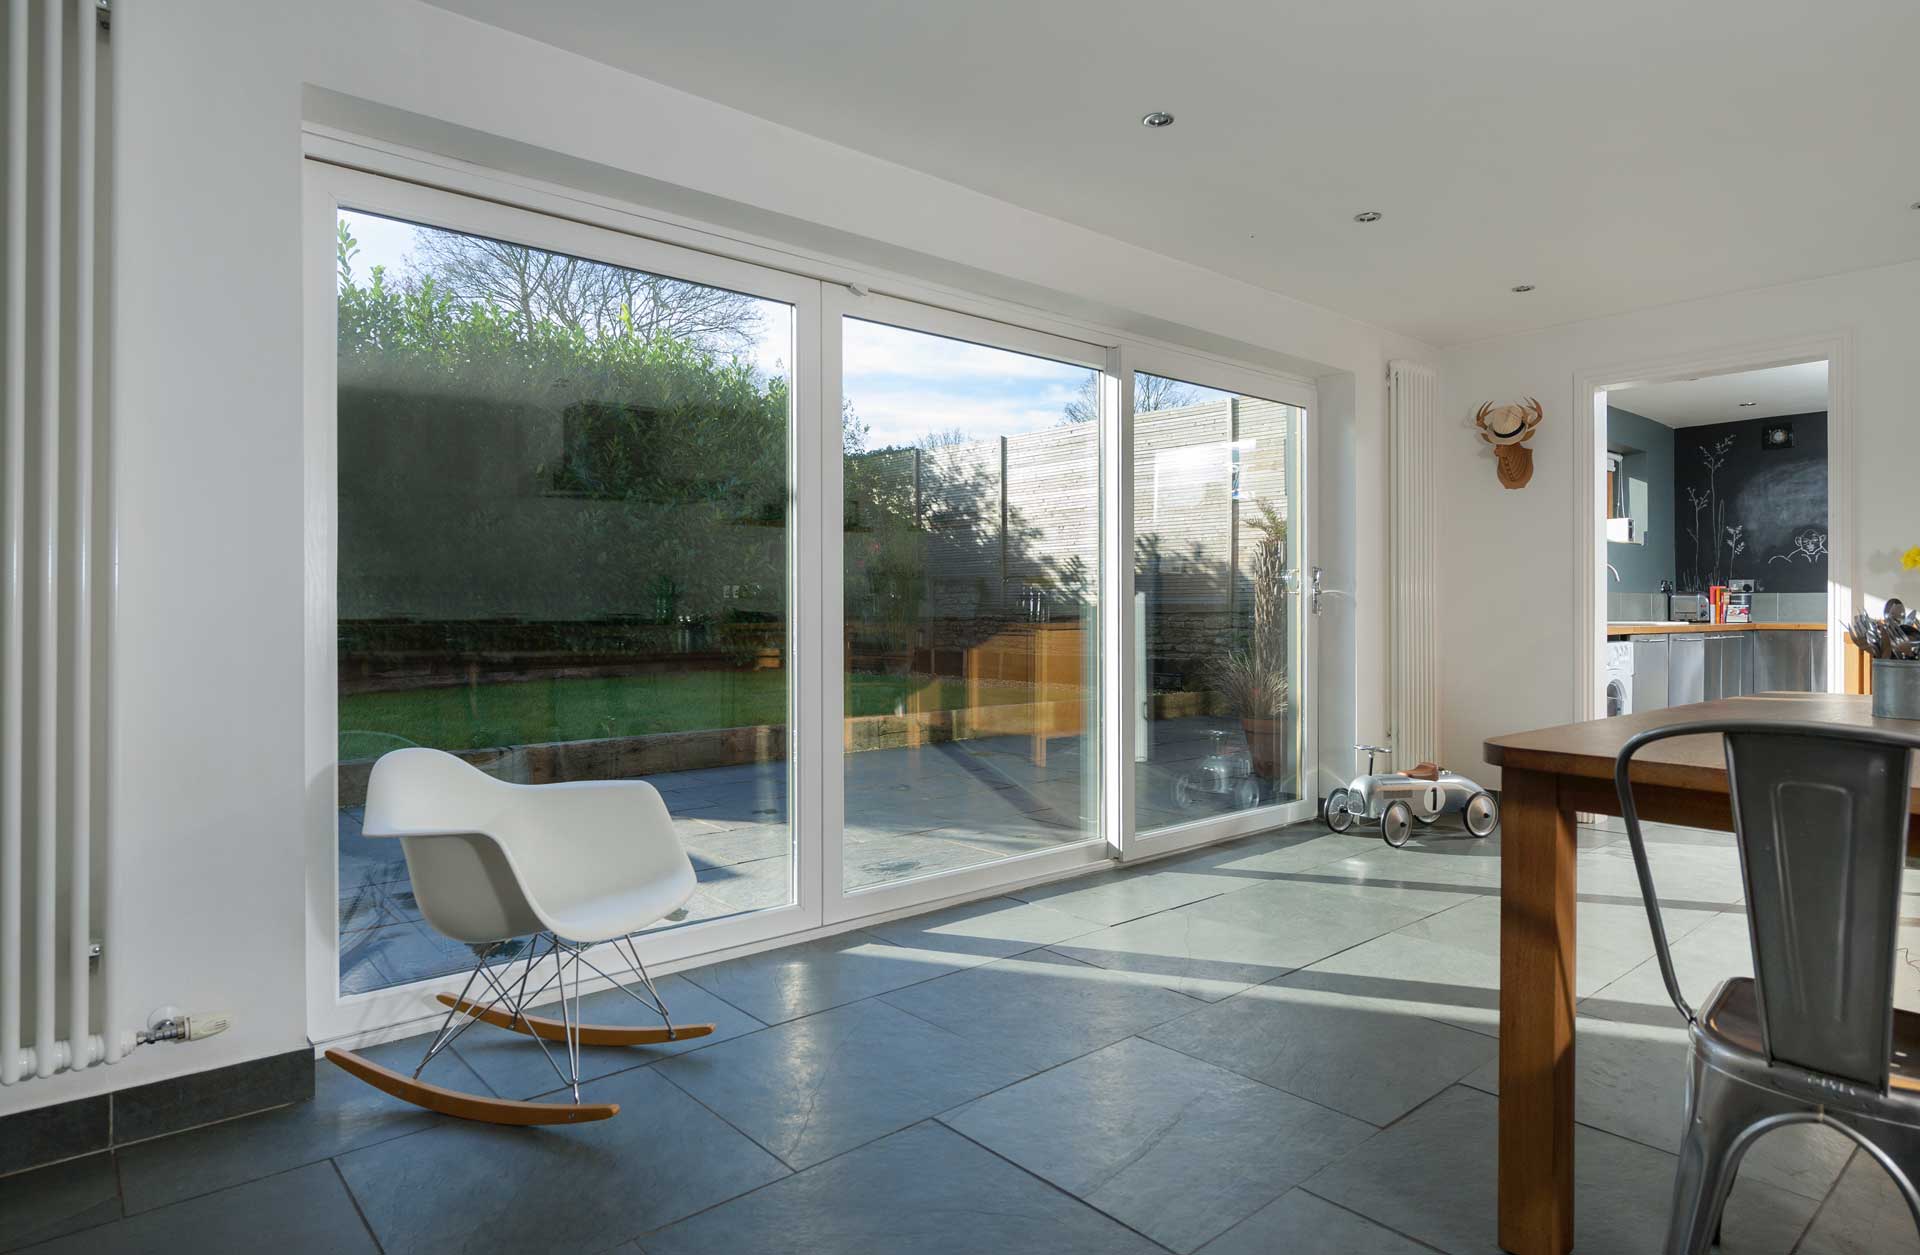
point(1508, 428)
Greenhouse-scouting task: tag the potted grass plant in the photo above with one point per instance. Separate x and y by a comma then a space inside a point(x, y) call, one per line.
point(1252, 679)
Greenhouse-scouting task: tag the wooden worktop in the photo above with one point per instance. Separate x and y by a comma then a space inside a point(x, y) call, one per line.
point(1669, 629)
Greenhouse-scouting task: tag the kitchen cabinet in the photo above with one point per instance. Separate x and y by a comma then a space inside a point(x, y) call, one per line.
point(1728, 665)
point(1789, 662)
point(1686, 669)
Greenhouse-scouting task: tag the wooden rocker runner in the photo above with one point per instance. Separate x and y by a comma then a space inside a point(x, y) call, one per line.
point(570, 866)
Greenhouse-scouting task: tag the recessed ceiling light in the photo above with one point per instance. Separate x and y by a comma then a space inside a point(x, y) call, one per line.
point(1522, 287)
point(1748, 404)
point(1367, 215)
point(1157, 119)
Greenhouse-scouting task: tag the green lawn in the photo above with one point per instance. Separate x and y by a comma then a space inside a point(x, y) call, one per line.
point(535, 711)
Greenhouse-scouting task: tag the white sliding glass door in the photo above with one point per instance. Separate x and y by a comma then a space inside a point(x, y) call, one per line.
point(558, 469)
point(1217, 634)
point(893, 604)
point(970, 596)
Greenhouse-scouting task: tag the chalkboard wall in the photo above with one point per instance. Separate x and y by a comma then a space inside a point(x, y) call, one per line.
point(1747, 511)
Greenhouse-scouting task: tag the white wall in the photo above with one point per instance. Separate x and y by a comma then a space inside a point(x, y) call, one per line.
point(1508, 621)
point(208, 784)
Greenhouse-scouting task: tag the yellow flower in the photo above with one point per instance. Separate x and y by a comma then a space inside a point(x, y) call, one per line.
point(1910, 560)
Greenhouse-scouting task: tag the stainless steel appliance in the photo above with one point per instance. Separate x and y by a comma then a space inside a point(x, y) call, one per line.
point(1691, 608)
point(1650, 655)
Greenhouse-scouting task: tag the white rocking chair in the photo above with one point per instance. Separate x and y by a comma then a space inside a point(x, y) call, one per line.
point(571, 865)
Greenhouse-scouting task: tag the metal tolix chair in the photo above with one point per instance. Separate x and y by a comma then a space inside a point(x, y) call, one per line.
point(1820, 815)
point(572, 866)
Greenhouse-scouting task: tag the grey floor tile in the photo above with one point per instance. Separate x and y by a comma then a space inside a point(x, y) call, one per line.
point(1713, 952)
point(1368, 1062)
point(777, 985)
point(64, 1198)
point(1215, 948)
point(1403, 975)
point(927, 1191)
point(463, 1186)
point(1631, 1079)
point(1297, 1221)
point(344, 1114)
point(815, 1087)
point(980, 932)
point(1043, 1008)
point(1864, 1216)
point(1433, 1177)
point(1175, 1148)
point(513, 1066)
point(1266, 857)
point(1475, 867)
point(303, 1212)
point(1117, 896)
point(1610, 938)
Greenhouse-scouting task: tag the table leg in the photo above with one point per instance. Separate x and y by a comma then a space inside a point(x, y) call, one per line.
point(1537, 847)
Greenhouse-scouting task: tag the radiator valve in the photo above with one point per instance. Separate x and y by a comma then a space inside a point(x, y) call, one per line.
point(170, 1024)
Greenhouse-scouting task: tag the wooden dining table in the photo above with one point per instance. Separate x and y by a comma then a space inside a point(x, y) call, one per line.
point(1548, 778)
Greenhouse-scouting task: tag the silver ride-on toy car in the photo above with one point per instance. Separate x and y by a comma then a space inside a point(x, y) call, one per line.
point(1400, 799)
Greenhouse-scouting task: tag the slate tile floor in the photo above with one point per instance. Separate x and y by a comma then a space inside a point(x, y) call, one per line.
point(1283, 1043)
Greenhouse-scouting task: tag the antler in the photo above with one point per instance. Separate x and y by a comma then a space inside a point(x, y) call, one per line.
point(1480, 421)
point(1534, 415)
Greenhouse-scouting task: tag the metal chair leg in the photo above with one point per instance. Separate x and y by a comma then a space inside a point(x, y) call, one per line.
point(1722, 1114)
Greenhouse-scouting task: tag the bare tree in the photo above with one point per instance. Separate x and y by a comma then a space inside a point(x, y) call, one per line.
point(1150, 392)
point(587, 296)
point(944, 438)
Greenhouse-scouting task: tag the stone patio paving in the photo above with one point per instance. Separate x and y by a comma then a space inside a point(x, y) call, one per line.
point(909, 812)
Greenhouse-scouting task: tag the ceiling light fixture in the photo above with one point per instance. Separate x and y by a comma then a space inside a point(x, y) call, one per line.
point(1746, 405)
point(1522, 287)
point(1157, 119)
point(1367, 215)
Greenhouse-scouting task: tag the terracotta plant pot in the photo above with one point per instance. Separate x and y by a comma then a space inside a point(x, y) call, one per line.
point(1266, 742)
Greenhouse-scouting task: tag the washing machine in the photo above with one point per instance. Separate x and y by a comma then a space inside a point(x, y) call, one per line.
point(1619, 678)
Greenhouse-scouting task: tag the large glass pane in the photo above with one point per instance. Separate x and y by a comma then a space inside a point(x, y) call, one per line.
point(563, 552)
point(972, 560)
point(1217, 728)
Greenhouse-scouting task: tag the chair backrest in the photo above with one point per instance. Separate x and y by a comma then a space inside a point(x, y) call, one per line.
point(415, 790)
point(1820, 817)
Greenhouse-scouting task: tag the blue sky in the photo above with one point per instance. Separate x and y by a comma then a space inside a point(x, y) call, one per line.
point(903, 384)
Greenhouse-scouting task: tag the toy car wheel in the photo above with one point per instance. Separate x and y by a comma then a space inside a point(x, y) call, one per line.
point(1482, 813)
point(1396, 824)
point(1246, 794)
point(1184, 795)
point(1339, 818)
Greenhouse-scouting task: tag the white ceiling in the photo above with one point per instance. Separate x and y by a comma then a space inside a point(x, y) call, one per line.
point(1617, 154)
point(1780, 390)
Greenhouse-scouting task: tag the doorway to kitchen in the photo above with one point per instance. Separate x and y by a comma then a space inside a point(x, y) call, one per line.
point(1713, 505)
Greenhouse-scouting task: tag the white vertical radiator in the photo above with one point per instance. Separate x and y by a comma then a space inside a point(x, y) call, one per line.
point(1413, 400)
point(52, 605)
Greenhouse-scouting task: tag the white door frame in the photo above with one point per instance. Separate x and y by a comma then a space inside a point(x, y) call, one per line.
point(1122, 642)
point(1589, 558)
